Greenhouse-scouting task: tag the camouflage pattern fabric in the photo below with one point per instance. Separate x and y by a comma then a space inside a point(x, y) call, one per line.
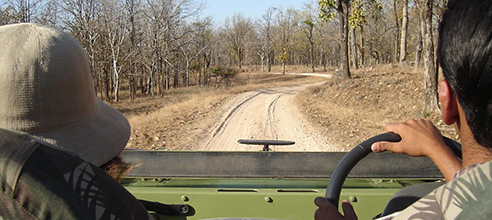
point(40, 181)
point(466, 197)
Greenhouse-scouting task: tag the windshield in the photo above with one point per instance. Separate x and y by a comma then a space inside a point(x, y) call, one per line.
point(202, 75)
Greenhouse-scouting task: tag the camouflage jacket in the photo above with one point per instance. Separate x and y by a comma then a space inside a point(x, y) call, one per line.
point(467, 197)
point(41, 181)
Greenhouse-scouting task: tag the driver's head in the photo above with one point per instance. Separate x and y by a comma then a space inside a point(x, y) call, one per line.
point(465, 55)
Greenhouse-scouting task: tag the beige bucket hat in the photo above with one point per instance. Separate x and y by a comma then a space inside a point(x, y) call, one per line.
point(46, 90)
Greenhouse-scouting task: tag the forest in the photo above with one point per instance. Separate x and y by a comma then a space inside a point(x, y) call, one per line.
point(150, 46)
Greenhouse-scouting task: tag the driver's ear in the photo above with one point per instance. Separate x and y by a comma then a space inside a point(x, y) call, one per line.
point(449, 103)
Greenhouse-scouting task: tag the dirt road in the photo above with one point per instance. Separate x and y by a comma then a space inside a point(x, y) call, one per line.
point(268, 114)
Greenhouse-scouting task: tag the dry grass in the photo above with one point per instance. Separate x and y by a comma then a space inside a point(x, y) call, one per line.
point(350, 111)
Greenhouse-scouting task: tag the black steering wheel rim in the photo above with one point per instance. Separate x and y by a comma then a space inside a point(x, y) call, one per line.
point(349, 161)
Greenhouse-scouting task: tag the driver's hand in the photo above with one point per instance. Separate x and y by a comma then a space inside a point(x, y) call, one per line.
point(421, 138)
point(418, 138)
point(326, 210)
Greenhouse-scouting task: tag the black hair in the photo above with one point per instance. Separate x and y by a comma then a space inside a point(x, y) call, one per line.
point(465, 55)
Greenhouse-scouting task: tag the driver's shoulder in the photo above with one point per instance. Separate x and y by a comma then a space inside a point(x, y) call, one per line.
point(466, 197)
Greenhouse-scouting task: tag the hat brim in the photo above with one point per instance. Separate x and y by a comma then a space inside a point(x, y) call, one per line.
point(97, 138)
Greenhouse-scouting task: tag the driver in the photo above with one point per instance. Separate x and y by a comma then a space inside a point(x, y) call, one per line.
point(465, 55)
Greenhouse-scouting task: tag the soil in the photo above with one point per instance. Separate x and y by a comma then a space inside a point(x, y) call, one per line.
point(318, 113)
point(350, 111)
point(265, 114)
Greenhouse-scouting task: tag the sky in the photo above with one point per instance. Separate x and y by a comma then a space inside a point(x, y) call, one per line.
point(254, 9)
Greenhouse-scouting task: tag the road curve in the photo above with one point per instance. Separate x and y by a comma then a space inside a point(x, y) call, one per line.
point(267, 114)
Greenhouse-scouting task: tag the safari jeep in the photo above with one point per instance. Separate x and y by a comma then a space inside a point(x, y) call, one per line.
point(275, 185)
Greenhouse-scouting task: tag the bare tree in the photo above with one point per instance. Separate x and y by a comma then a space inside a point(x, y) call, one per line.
point(327, 42)
point(8, 15)
point(25, 9)
point(185, 48)
point(115, 22)
point(308, 27)
point(49, 14)
point(266, 23)
point(341, 8)
point(396, 33)
point(379, 34)
point(430, 74)
point(205, 46)
point(353, 49)
point(81, 18)
point(356, 19)
point(418, 50)
point(236, 30)
point(134, 48)
point(404, 27)
point(196, 43)
point(165, 19)
point(156, 32)
point(285, 22)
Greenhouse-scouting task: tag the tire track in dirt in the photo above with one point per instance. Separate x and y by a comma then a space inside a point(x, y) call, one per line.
point(233, 110)
point(271, 118)
point(267, 114)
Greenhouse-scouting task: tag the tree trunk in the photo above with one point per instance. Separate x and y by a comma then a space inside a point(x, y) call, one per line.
point(310, 37)
point(343, 6)
point(355, 60)
point(133, 87)
point(397, 33)
point(262, 59)
point(107, 85)
point(187, 72)
point(262, 64)
point(361, 47)
point(176, 78)
point(404, 26)
point(116, 81)
point(312, 56)
point(167, 80)
point(240, 59)
point(418, 52)
point(323, 60)
point(430, 75)
point(150, 83)
point(269, 54)
point(133, 40)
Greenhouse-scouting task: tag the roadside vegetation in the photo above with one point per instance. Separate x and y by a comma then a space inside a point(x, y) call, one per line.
point(345, 112)
point(348, 112)
point(178, 119)
point(154, 46)
point(165, 65)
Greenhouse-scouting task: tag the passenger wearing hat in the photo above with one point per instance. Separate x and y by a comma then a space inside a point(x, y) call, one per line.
point(55, 133)
point(47, 91)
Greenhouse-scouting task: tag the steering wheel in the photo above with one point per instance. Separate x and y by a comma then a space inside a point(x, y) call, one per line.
point(360, 151)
